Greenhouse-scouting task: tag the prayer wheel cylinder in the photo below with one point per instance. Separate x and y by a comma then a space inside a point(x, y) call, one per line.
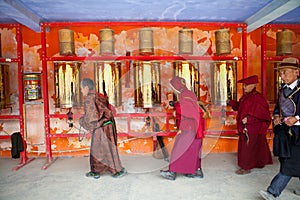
point(284, 42)
point(32, 86)
point(107, 42)
point(108, 80)
point(223, 41)
point(66, 42)
point(67, 84)
point(146, 41)
point(147, 84)
point(185, 41)
point(4, 86)
point(190, 72)
point(223, 82)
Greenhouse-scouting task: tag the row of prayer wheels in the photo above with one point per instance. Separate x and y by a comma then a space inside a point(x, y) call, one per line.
point(146, 44)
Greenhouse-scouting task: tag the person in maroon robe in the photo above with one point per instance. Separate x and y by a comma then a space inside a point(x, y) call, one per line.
point(99, 120)
point(253, 120)
point(185, 157)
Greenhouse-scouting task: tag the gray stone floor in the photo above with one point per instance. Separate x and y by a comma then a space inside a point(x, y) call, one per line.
point(65, 179)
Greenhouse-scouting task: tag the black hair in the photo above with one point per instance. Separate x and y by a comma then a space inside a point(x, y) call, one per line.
point(89, 83)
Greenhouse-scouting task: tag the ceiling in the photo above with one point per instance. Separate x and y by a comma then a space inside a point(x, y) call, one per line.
point(255, 13)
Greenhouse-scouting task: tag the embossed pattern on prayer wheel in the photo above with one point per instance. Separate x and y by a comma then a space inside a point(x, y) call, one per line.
point(107, 80)
point(185, 41)
point(223, 41)
point(146, 41)
point(147, 86)
point(4, 86)
point(223, 82)
point(67, 84)
point(66, 42)
point(107, 42)
point(284, 42)
point(32, 86)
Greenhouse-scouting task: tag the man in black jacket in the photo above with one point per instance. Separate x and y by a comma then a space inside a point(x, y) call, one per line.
point(286, 128)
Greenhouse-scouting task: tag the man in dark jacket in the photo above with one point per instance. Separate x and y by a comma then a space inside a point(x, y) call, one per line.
point(286, 128)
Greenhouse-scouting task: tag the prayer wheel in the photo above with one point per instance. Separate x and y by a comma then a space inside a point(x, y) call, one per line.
point(4, 86)
point(185, 41)
point(147, 84)
point(32, 86)
point(66, 42)
point(107, 42)
point(146, 41)
point(223, 82)
point(190, 72)
point(107, 80)
point(223, 41)
point(284, 42)
point(67, 84)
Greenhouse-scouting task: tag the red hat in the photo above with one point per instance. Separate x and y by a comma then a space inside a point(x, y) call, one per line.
point(178, 83)
point(289, 63)
point(249, 80)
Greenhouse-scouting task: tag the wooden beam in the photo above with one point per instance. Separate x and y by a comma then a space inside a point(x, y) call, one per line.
point(270, 12)
point(23, 15)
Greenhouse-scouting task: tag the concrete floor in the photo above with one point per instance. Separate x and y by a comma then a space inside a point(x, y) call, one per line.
point(65, 179)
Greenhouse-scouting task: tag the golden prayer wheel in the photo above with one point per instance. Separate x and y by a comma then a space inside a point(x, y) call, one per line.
point(223, 82)
point(107, 80)
point(66, 42)
point(223, 41)
point(107, 42)
point(67, 84)
point(4, 86)
point(185, 41)
point(146, 41)
point(147, 84)
point(32, 86)
point(284, 42)
point(190, 72)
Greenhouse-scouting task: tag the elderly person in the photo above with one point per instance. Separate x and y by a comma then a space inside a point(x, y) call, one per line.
point(98, 118)
point(185, 157)
point(286, 128)
point(253, 120)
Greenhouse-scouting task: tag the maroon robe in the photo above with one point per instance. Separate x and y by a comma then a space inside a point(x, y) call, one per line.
point(186, 153)
point(98, 118)
point(256, 152)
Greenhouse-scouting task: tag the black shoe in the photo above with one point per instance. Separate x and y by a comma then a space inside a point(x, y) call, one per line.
point(121, 173)
point(168, 175)
point(94, 175)
point(198, 174)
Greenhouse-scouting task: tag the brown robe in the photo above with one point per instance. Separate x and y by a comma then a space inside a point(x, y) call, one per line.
point(98, 118)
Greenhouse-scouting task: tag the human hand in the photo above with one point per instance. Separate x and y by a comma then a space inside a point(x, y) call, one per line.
point(276, 120)
point(244, 121)
point(290, 121)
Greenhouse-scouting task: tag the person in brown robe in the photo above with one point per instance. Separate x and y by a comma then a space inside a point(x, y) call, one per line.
point(253, 120)
point(99, 120)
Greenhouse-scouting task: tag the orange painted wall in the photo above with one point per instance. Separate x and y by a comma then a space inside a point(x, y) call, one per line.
point(87, 41)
